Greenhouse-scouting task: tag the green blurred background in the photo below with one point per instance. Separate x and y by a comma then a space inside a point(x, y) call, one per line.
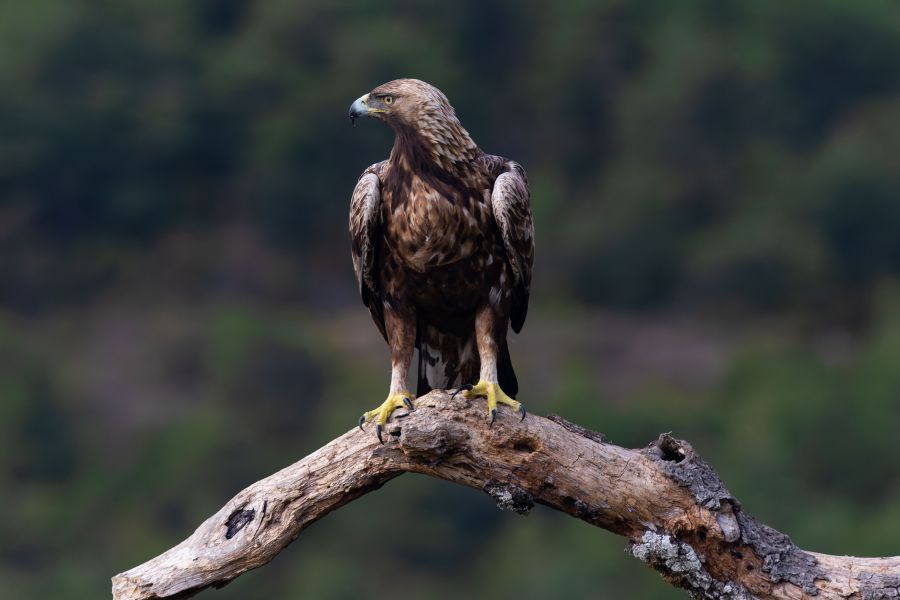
point(715, 188)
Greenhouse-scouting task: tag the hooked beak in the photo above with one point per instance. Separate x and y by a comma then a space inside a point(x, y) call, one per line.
point(359, 108)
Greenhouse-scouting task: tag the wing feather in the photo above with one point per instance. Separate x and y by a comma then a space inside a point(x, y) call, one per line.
point(511, 205)
point(365, 232)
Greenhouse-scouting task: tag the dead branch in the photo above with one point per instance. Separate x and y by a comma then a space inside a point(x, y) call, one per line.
point(672, 507)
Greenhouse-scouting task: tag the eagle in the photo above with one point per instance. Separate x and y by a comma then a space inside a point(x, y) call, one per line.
point(442, 243)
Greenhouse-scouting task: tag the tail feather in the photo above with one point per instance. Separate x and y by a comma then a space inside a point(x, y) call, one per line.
point(447, 361)
point(506, 376)
point(423, 386)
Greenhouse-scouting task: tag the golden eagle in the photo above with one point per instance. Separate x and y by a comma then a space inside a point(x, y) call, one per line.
point(442, 245)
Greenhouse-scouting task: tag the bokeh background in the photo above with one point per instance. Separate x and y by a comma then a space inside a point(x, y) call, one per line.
point(715, 188)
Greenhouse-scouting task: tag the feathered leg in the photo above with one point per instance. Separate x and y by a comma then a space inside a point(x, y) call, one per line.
point(401, 333)
point(490, 333)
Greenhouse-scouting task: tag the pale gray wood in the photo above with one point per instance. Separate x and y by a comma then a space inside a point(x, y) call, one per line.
point(672, 507)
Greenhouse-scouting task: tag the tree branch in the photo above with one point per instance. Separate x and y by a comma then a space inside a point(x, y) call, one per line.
point(674, 509)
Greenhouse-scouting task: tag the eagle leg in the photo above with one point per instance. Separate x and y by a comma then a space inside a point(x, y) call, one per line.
point(495, 396)
point(401, 334)
point(490, 330)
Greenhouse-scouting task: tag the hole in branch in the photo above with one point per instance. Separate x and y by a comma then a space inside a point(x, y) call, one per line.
point(524, 445)
point(670, 448)
point(238, 520)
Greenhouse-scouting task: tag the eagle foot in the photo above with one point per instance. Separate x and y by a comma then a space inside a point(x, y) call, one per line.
point(494, 395)
point(383, 412)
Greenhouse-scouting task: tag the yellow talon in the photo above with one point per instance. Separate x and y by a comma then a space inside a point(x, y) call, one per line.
point(495, 396)
point(383, 412)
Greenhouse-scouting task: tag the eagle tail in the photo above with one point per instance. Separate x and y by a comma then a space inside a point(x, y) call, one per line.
point(447, 361)
point(506, 376)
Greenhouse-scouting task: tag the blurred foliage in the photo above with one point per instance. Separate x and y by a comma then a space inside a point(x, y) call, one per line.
point(178, 317)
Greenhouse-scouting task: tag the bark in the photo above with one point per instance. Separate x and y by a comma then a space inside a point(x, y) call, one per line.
point(672, 507)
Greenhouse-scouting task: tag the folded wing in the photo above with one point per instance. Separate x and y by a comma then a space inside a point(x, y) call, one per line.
point(365, 233)
point(511, 205)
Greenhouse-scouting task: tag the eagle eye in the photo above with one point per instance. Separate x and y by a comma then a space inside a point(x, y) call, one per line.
point(388, 100)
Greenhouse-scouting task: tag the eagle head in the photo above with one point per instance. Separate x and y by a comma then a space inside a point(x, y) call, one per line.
point(416, 109)
point(402, 102)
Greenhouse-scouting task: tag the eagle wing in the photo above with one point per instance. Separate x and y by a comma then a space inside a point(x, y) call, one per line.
point(511, 205)
point(365, 233)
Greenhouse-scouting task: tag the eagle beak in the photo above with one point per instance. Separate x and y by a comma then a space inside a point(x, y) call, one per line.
point(359, 108)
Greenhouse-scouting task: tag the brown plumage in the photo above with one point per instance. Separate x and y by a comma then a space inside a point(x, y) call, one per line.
point(442, 246)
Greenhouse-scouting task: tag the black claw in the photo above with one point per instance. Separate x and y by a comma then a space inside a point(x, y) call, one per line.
point(522, 410)
point(463, 388)
point(378, 433)
point(408, 404)
point(362, 420)
point(493, 416)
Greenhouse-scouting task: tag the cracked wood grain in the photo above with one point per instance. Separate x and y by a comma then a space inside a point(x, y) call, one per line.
point(673, 508)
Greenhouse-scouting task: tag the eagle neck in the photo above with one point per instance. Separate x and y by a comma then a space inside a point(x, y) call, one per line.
point(422, 150)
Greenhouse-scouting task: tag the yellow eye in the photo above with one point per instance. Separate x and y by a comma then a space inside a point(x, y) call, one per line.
point(388, 100)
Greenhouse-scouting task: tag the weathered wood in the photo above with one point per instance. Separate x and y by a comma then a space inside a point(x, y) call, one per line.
point(674, 509)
